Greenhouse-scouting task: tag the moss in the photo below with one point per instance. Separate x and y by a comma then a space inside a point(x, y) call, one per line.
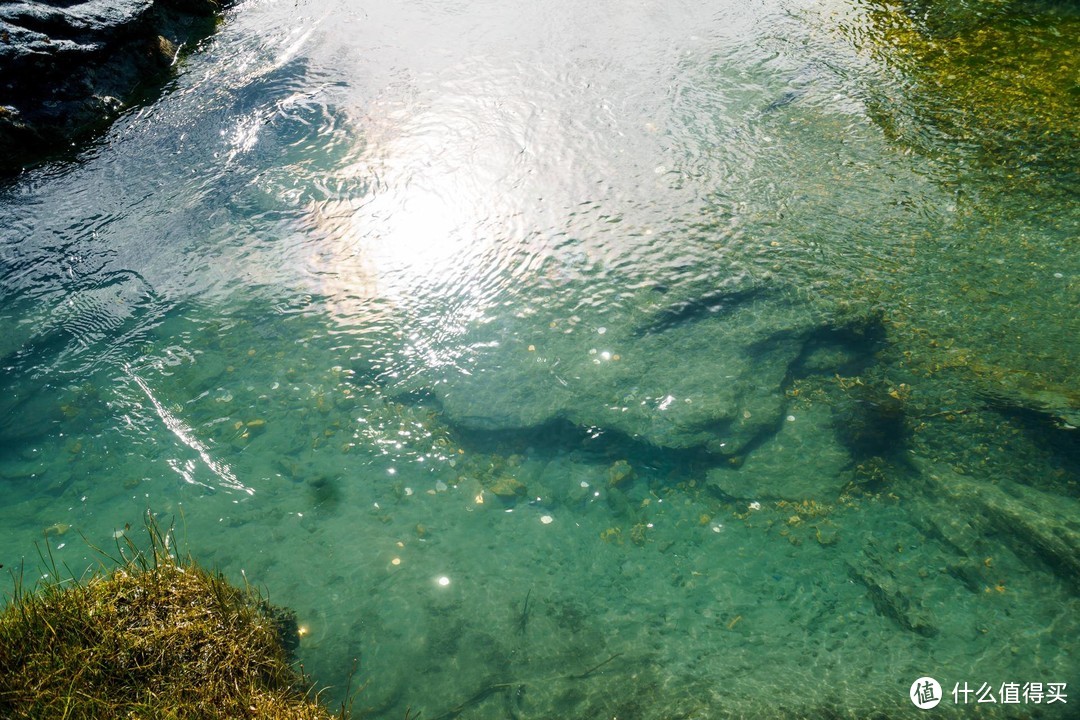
point(942, 18)
point(157, 637)
point(1003, 83)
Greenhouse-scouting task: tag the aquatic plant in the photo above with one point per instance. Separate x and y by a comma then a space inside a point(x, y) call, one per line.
point(998, 79)
point(157, 636)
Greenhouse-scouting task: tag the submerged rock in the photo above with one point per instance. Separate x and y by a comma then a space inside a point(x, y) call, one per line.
point(891, 598)
point(619, 473)
point(800, 462)
point(705, 373)
point(1059, 404)
point(992, 79)
point(1035, 524)
point(507, 487)
point(68, 68)
point(945, 17)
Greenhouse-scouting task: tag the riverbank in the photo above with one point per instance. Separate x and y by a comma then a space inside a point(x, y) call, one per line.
point(69, 69)
point(154, 635)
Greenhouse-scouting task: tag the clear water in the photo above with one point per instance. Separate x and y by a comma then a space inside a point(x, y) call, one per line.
point(568, 360)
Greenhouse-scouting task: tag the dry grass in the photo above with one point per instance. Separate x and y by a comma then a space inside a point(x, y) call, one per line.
point(158, 637)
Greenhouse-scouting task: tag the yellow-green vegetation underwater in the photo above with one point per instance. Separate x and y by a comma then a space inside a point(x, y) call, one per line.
point(999, 79)
point(156, 637)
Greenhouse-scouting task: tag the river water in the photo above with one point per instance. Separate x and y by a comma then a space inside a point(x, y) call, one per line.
point(638, 360)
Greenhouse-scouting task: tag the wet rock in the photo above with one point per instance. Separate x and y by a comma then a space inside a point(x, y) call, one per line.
point(619, 473)
point(507, 487)
point(871, 421)
point(68, 67)
point(946, 17)
point(953, 59)
point(846, 350)
point(325, 491)
point(1061, 405)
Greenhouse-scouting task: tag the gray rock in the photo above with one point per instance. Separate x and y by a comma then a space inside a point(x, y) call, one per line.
point(68, 67)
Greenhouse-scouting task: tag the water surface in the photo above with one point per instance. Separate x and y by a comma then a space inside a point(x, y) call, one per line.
point(660, 360)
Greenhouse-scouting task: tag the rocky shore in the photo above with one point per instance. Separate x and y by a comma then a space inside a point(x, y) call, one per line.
point(70, 67)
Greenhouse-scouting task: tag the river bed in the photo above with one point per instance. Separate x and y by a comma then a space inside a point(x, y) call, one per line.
point(578, 360)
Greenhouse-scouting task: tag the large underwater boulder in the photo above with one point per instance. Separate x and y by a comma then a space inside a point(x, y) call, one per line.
point(705, 373)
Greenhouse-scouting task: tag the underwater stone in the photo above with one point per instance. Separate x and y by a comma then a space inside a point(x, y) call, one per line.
point(888, 595)
point(801, 462)
point(688, 376)
point(1060, 404)
point(1036, 524)
point(507, 487)
point(619, 473)
point(941, 18)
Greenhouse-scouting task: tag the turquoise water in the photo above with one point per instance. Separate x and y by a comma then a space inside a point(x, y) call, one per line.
point(561, 360)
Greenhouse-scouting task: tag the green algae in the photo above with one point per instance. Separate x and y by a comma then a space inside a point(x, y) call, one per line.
point(1005, 83)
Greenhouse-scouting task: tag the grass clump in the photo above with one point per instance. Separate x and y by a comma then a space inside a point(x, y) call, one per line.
point(157, 637)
